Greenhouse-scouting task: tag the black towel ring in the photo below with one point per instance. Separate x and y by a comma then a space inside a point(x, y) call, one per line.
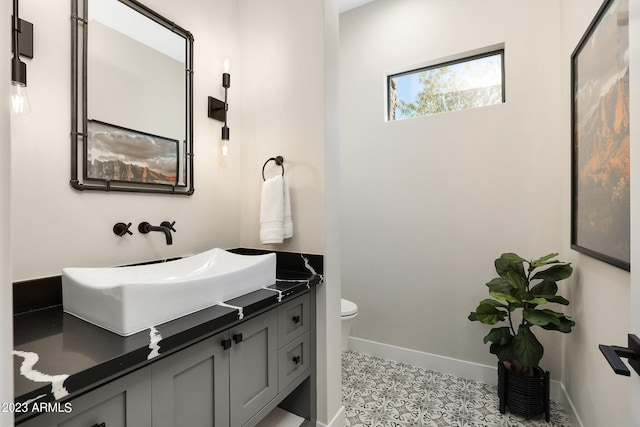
point(279, 161)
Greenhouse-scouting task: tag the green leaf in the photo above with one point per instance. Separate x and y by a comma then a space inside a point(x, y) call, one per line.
point(541, 317)
point(526, 347)
point(505, 297)
point(499, 336)
point(518, 282)
point(544, 288)
point(554, 298)
point(564, 325)
point(504, 352)
point(488, 312)
point(510, 262)
point(492, 302)
point(554, 273)
point(500, 285)
point(536, 301)
point(547, 259)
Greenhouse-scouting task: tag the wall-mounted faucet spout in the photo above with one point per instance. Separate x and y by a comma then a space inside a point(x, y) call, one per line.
point(145, 227)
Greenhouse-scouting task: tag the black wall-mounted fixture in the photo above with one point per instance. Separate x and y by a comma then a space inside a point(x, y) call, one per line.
point(614, 353)
point(21, 45)
point(165, 227)
point(120, 229)
point(279, 160)
point(218, 109)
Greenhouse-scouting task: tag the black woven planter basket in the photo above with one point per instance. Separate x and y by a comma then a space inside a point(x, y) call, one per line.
point(523, 395)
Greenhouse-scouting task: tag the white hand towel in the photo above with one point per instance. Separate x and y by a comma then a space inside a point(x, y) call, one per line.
point(275, 211)
point(272, 211)
point(287, 223)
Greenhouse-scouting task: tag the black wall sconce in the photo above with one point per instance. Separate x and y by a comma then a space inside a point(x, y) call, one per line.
point(21, 45)
point(218, 109)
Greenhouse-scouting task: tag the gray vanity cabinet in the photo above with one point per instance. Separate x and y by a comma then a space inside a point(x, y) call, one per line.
point(191, 387)
point(233, 378)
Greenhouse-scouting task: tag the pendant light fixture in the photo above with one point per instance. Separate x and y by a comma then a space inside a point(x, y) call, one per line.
point(22, 45)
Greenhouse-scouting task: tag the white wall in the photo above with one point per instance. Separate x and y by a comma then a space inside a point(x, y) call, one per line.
point(6, 309)
point(600, 294)
point(634, 93)
point(276, 107)
point(329, 334)
point(282, 95)
point(57, 226)
point(429, 203)
point(127, 77)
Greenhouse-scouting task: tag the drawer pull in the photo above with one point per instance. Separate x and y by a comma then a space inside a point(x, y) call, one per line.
point(99, 425)
point(226, 344)
point(296, 359)
point(237, 338)
point(296, 319)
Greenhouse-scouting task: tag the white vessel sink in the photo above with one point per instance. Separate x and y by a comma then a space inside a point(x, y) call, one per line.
point(127, 300)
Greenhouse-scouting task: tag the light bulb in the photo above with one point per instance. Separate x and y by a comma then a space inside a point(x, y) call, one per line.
point(19, 99)
point(225, 149)
point(227, 65)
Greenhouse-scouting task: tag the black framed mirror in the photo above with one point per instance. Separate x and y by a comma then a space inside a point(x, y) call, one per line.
point(131, 99)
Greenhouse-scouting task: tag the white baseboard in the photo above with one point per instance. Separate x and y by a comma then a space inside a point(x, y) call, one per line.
point(457, 367)
point(339, 420)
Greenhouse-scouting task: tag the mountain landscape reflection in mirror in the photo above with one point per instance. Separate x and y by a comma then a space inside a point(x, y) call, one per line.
point(115, 153)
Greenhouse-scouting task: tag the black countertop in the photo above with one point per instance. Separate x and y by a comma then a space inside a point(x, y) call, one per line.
point(58, 356)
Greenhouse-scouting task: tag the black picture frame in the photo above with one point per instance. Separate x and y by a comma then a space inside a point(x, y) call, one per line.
point(600, 171)
point(118, 154)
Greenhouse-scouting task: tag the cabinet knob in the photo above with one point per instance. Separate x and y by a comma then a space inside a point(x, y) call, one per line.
point(296, 359)
point(226, 344)
point(237, 338)
point(296, 319)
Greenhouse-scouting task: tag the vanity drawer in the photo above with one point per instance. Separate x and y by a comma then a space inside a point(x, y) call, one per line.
point(293, 319)
point(293, 360)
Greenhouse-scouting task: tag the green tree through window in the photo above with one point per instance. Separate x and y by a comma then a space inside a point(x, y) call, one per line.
point(467, 83)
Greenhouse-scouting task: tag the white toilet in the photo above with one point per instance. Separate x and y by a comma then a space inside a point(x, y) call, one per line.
point(349, 312)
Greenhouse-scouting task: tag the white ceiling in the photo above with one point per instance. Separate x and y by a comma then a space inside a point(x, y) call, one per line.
point(351, 4)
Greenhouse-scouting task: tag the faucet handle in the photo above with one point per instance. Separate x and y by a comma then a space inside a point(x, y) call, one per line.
point(120, 229)
point(169, 225)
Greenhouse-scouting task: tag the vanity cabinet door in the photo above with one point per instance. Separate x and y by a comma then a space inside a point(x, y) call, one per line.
point(124, 402)
point(190, 388)
point(253, 362)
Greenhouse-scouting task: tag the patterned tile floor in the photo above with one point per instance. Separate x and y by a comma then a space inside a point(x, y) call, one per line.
point(379, 392)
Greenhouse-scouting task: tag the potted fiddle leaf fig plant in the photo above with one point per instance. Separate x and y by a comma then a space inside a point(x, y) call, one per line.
point(518, 303)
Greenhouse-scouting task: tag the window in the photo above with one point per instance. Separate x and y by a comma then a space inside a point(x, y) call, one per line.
point(470, 82)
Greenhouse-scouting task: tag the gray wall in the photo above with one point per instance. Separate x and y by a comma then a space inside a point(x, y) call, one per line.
point(6, 309)
point(601, 293)
point(430, 202)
